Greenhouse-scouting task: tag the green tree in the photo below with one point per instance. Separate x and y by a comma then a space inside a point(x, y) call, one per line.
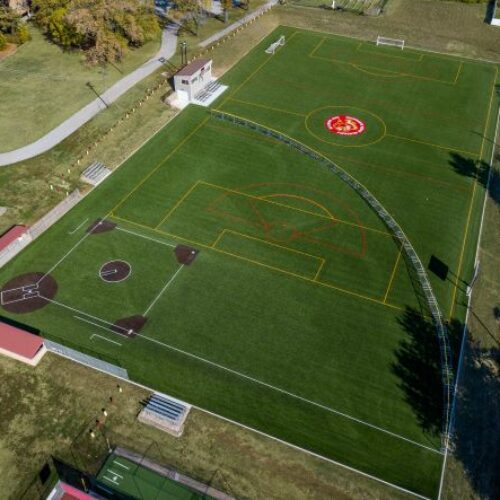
point(3, 41)
point(23, 33)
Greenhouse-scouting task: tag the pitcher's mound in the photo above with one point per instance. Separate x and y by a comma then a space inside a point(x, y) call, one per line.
point(25, 294)
point(185, 255)
point(129, 327)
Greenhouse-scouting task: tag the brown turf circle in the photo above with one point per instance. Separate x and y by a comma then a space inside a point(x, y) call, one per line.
point(22, 294)
point(115, 271)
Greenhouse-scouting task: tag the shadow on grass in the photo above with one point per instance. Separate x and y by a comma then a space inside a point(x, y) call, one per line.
point(476, 437)
point(478, 170)
point(418, 366)
point(477, 429)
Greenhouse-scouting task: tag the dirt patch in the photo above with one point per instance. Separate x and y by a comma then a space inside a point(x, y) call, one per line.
point(101, 226)
point(115, 271)
point(26, 293)
point(8, 51)
point(129, 327)
point(185, 255)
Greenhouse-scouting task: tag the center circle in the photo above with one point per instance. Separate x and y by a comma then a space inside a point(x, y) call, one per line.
point(115, 271)
point(345, 126)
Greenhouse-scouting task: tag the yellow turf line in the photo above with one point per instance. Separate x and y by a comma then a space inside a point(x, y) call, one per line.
point(458, 73)
point(395, 73)
point(265, 106)
point(284, 205)
point(433, 145)
point(320, 43)
point(467, 223)
point(239, 87)
point(309, 280)
point(179, 202)
point(181, 143)
point(393, 274)
point(270, 243)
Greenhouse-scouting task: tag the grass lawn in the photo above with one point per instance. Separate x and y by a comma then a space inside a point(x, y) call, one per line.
point(293, 317)
point(42, 85)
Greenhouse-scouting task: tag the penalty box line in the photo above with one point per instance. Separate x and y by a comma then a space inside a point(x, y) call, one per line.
point(251, 379)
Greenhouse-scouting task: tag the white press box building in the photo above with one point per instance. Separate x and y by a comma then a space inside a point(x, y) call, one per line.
point(195, 84)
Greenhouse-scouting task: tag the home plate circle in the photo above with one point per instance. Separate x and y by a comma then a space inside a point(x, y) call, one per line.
point(115, 271)
point(345, 125)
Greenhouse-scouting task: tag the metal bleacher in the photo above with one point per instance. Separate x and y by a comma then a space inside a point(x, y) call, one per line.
point(95, 173)
point(166, 409)
point(205, 93)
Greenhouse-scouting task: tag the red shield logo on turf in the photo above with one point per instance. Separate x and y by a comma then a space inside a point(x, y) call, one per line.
point(345, 125)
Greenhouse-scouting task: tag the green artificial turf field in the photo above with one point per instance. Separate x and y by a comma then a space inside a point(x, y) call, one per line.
point(299, 316)
point(130, 478)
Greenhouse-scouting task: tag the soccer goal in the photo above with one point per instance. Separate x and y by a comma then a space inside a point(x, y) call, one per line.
point(272, 48)
point(382, 40)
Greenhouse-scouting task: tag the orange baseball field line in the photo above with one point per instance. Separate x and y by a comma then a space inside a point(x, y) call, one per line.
point(284, 205)
point(471, 205)
point(217, 250)
point(265, 106)
point(433, 145)
point(393, 274)
point(164, 160)
point(458, 73)
point(270, 243)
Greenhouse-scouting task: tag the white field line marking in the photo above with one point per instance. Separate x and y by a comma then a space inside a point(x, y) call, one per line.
point(108, 273)
point(252, 429)
point(77, 228)
point(106, 328)
point(78, 243)
point(257, 381)
point(469, 301)
point(18, 288)
point(163, 290)
point(121, 465)
point(145, 237)
point(84, 313)
point(101, 337)
point(111, 480)
point(115, 473)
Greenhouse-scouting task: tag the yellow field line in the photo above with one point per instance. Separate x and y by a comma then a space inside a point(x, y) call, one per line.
point(284, 205)
point(321, 42)
point(126, 197)
point(320, 268)
point(431, 144)
point(179, 202)
point(469, 214)
point(249, 77)
point(393, 274)
point(309, 280)
point(458, 73)
point(271, 243)
point(265, 106)
point(374, 68)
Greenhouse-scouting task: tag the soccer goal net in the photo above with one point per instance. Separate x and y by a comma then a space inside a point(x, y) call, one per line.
point(272, 48)
point(382, 40)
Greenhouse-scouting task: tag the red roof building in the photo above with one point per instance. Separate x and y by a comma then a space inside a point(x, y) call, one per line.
point(11, 235)
point(20, 344)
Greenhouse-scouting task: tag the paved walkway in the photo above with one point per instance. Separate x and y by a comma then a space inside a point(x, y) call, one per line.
point(222, 33)
point(74, 122)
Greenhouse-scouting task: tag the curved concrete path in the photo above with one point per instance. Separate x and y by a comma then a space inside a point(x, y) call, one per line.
point(74, 122)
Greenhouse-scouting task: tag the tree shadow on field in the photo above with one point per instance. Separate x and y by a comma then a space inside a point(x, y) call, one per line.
point(478, 170)
point(476, 436)
point(418, 366)
point(477, 430)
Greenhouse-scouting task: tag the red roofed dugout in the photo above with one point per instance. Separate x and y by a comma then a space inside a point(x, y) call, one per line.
point(11, 235)
point(19, 342)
